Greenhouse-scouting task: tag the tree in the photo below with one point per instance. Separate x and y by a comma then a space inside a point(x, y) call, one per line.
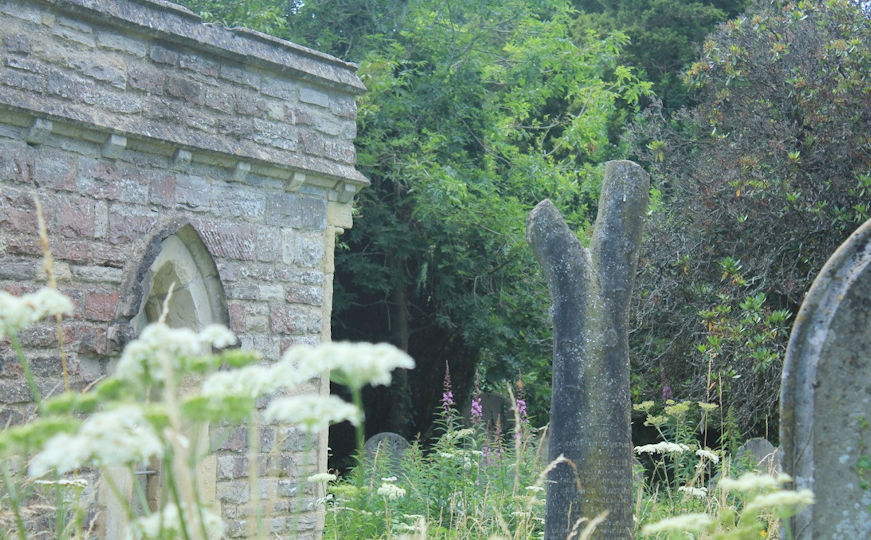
point(759, 183)
point(664, 35)
point(475, 112)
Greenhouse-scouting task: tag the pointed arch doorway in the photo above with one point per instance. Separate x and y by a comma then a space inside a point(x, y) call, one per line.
point(174, 258)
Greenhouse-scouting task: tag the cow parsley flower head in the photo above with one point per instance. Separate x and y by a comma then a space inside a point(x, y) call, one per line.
point(144, 359)
point(685, 522)
point(17, 312)
point(753, 482)
point(391, 491)
point(694, 491)
point(321, 477)
point(792, 500)
point(167, 524)
point(352, 364)
point(248, 381)
point(662, 448)
point(312, 413)
point(120, 436)
point(217, 335)
point(707, 454)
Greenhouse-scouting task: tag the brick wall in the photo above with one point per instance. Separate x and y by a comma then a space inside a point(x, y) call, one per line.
point(127, 118)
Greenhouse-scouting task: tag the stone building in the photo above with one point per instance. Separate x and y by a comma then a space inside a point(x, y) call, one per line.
point(167, 150)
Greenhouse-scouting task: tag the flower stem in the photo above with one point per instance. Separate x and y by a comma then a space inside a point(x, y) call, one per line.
point(25, 367)
point(13, 499)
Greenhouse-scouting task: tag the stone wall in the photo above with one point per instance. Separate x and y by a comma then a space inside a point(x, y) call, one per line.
point(131, 121)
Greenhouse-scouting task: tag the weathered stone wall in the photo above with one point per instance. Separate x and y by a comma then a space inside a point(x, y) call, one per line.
point(129, 119)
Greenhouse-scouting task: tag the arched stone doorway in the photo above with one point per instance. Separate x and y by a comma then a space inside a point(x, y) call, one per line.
point(176, 259)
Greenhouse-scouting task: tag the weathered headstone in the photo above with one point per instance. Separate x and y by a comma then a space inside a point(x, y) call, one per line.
point(385, 449)
point(760, 455)
point(825, 402)
point(495, 411)
point(590, 406)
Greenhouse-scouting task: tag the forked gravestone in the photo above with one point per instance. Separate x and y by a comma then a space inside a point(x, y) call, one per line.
point(590, 405)
point(825, 402)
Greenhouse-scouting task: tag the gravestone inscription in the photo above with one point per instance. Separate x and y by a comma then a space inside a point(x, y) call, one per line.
point(825, 403)
point(590, 405)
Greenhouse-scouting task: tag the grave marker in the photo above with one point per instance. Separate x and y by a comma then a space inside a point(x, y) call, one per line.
point(825, 403)
point(590, 407)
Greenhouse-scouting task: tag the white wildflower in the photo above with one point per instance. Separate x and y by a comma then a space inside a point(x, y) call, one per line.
point(753, 482)
point(321, 477)
point(685, 522)
point(117, 437)
point(446, 455)
point(352, 364)
point(17, 312)
point(144, 359)
point(694, 491)
point(391, 491)
point(312, 413)
point(662, 448)
point(248, 381)
point(707, 454)
point(389, 479)
point(79, 483)
point(167, 524)
point(782, 499)
point(217, 335)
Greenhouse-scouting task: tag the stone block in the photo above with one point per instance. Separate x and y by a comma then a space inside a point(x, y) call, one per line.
point(162, 55)
point(293, 210)
point(39, 131)
point(229, 438)
point(146, 79)
point(101, 305)
point(193, 192)
point(245, 77)
point(25, 81)
point(104, 69)
point(74, 31)
point(55, 170)
point(128, 223)
point(183, 88)
point(302, 294)
point(71, 216)
point(220, 100)
point(280, 88)
point(301, 249)
point(114, 41)
point(233, 492)
point(284, 319)
point(72, 87)
point(268, 244)
point(199, 64)
point(228, 240)
point(314, 97)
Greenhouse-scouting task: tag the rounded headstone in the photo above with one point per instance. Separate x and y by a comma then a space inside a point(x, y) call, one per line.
point(759, 454)
point(825, 403)
point(385, 446)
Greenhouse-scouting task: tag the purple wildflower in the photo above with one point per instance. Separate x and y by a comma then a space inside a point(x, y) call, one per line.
point(666, 392)
point(521, 408)
point(447, 393)
point(477, 412)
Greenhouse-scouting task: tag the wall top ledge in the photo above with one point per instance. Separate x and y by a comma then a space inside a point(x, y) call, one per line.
point(176, 23)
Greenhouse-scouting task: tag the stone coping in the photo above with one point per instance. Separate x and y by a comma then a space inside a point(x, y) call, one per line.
point(177, 24)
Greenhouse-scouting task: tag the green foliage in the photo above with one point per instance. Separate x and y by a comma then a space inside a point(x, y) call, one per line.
point(268, 16)
point(468, 484)
point(771, 169)
point(664, 35)
point(475, 112)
